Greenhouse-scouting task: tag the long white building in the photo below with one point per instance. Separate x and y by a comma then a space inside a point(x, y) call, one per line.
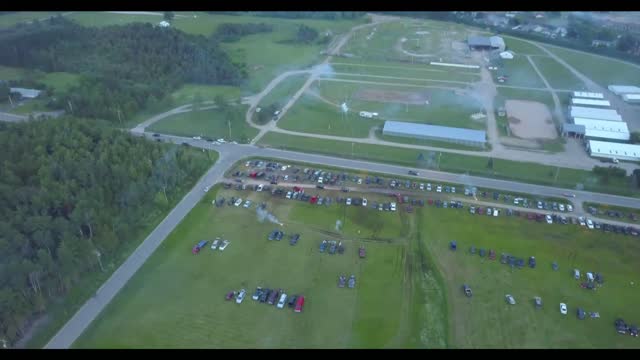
point(605, 130)
point(593, 113)
point(588, 95)
point(590, 102)
point(631, 98)
point(624, 89)
point(609, 150)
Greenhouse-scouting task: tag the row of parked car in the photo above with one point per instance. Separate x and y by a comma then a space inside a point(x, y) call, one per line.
point(278, 298)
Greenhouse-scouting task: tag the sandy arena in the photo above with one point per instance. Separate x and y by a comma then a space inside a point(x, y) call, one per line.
point(530, 120)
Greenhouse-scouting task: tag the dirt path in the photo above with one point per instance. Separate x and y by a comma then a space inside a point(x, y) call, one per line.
point(487, 89)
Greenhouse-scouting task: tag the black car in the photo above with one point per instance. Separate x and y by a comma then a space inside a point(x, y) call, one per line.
point(292, 300)
point(580, 313)
point(633, 330)
point(411, 172)
point(294, 239)
point(185, 144)
point(621, 326)
point(264, 295)
point(156, 135)
point(532, 262)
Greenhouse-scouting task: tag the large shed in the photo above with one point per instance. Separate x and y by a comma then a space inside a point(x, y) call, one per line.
point(593, 113)
point(25, 93)
point(588, 95)
point(631, 98)
point(624, 89)
point(486, 43)
point(603, 129)
point(433, 132)
point(590, 102)
point(611, 150)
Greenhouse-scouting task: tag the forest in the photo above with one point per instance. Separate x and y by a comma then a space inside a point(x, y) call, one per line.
point(123, 65)
point(73, 192)
point(230, 32)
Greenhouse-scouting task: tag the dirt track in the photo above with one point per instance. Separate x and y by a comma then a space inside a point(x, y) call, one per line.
point(530, 120)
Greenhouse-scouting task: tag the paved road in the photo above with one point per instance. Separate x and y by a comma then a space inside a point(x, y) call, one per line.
point(8, 117)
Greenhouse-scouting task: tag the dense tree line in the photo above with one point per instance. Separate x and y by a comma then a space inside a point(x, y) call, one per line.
point(230, 32)
point(72, 193)
point(305, 34)
point(124, 65)
point(324, 15)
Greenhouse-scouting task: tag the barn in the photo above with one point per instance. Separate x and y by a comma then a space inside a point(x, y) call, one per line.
point(486, 43)
point(433, 132)
point(610, 150)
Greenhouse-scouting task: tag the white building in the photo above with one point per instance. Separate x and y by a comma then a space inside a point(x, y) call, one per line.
point(631, 98)
point(624, 89)
point(593, 113)
point(605, 130)
point(164, 23)
point(26, 93)
point(609, 150)
point(588, 95)
point(590, 102)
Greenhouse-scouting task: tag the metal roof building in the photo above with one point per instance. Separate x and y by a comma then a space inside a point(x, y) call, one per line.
point(26, 93)
point(631, 98)
point(603, 129)
point(624, 89)
point(590, 102)
point(483, 42)
point(609, 150)
point(593, 113)
point(433, 132)
point(588, 95)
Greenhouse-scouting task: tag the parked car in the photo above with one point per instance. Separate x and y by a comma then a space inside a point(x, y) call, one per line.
point(224, 245)
point(467, 290)
point(230, 295)
point(240, 296)
point(215, 243)
point(548, 218)
point(393, 206)
point(299, 304)
point(563, 308)
point(282, 301)
point(257, 294)
point(510, 299)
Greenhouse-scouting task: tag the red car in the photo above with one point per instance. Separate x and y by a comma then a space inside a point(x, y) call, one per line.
point(299, 304)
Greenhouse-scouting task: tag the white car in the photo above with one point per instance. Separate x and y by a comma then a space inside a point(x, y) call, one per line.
point(581, 220)
point(496, 212)
point(510, 299)
point(221, 141)
point(428, 187)
point(282, 301)
point(286, 178)
point(359, 181)
point(289, 193)
point(247, 164)
point(393, 206)
point(224, 245)
point(260, 187)
point(548, 218)
point(206, 189)
point(247, 203)
point(569, 207)
point(364, 202)
point(439, 189)
point(561, 207)
point(421, 186)
point(590, 224)
point(215, 244)
point(453, 189)
point(240, 296)
point(380, 207)
point(238, 202)
point(320, 180)
point(197, 138)
point(539, 205)
point(283, 168)
point(563, 308)
point(348, 201)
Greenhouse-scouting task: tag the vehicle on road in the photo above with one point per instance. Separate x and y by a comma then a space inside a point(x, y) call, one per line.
point(414, 173)
point(206, 189)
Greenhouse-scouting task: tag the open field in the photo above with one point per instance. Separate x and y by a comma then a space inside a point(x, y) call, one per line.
point(558, 76)
point(426, 73)
point(376, 80)
point(407, 255)
point(530, 120)
point(604, 71)
point(7, 20)
point(332, 317)
point(519, 71)
point(284, 91)
point(474, 165)
point(188, 92)
point(60, 81)
point(521, 47)
point(61, 312)
point(211, 123)
point(405, 103)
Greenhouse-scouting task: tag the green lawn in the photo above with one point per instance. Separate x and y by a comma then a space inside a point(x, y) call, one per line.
point(520, 47)
point(311, 115)
point(177, 299)
point(520, 73)
point(558, 76)
point(7, 20)
point(414, 300)
point(375, 81)
point(446, 107)
point(60, 81)
point(427, 73)
point(62, 311)
point(457, 163)
point(604, 71)
point(209, 123)
point(284, 91)
point(487, 321)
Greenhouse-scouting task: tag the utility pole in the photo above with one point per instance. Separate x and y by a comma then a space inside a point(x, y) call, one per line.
point(229, 124)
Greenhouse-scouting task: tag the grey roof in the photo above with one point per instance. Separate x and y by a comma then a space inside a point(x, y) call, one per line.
point(478, 41)
point(27, 93)
point(497, 42)
point(434, 131)
point(578, 129)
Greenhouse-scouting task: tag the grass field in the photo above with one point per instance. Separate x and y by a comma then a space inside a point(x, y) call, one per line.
point(413, 301)
point(60, 81)
point(558, 76)
point(520, 73)
point(147, 313)
point(188, 92)
point(521, 47)
point(446, 107)
point(408, 73)
point(474, 165)
point(7, 20)
point(604, 71)
point(60, 312)
point(376, 81)
point(284, 91)
point(210, 123)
